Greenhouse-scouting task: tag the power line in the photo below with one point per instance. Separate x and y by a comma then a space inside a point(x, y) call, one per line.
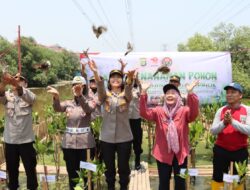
point(107, 18)
point(100, 18)
point(79, 7)
point(215, 18)
point(96, 12)
point(227, 8)
point(238, 12)
point(129, 19)
point(201, 18)
point(111, 46)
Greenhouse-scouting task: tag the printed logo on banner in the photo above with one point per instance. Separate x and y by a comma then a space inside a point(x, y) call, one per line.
point(143, 61)
point(154, 60)
point(167, 61)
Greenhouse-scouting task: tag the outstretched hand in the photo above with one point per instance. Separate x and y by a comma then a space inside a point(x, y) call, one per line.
point(123, 64)
point(92, 66)
point(191, 86)
point(131, 74)
point(145, 86)
point(77, 89)
point(9, 79)
point(53, 91)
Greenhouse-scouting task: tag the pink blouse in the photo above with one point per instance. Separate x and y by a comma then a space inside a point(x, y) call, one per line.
point(184, 115)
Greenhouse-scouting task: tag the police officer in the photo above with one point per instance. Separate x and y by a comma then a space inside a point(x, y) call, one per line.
point(18, 133)
point(176, 81)
point(78, 137)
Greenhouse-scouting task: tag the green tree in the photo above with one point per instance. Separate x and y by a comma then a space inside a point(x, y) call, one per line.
point(222, 36)
point(63, 63)
point(198, 43)
point(227, 37)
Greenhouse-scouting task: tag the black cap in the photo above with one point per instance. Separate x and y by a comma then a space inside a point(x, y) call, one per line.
point(93, 78)
point(170, 86)
point(175, 78)
point(115, 71)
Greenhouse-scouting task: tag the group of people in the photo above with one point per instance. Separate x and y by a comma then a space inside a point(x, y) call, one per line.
point(121, 104)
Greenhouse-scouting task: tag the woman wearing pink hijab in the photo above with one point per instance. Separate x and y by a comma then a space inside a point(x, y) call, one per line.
point(171, 146)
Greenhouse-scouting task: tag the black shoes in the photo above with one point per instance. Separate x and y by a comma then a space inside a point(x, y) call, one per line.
point(138, 167)
point(137, 163)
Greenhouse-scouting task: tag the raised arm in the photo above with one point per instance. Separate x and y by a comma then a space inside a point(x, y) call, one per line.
point(3, 99)
point(93, 68)
point(84, 75)
point(192, 101)
point(129, 85)
point(145, 112)
point(87, 105)
point(57, 105)
point(100, 83)
point(101, 91)
point(123, 65)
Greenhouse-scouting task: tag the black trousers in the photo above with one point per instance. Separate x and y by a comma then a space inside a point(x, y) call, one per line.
point(165, 170)
point(123, 151)
point(72, 158)
point(135, 125)
point(26, 151)
point(222, 159)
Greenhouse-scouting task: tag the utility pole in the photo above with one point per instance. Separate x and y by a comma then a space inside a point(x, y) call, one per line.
point(164, 47)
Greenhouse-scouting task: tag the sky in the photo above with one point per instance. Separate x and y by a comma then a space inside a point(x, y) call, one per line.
point(151, 25)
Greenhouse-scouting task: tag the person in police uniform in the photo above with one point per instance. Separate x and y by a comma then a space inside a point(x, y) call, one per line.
point(116, 135)
point(18, 133)
point(135, 121)
point(176, 81)
point(78, 137)
point(93, 93)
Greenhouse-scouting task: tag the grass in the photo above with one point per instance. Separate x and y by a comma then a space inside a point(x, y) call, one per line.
point(246, 101)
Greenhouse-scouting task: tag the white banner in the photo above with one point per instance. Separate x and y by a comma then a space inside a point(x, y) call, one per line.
point(212, 69)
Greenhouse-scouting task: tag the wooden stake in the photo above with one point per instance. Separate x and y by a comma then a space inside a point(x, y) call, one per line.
point(89, 172)
point(188, 177)
point(231, 173)
point(45, 185)
point(172, 183)
point(149, 142)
